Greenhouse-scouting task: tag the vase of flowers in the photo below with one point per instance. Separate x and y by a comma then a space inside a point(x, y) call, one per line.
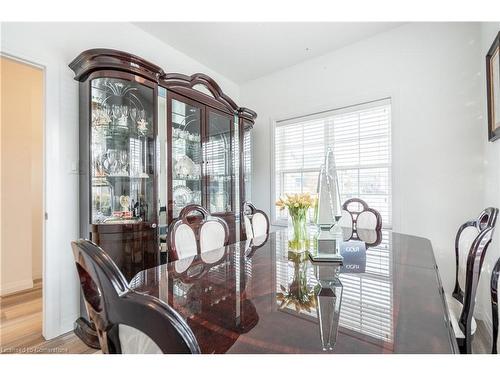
point(297, 206)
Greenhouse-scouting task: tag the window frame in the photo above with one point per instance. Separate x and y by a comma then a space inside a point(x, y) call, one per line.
point(312, 115)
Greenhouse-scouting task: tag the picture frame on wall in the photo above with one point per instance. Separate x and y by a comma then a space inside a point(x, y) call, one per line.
point(493, 89)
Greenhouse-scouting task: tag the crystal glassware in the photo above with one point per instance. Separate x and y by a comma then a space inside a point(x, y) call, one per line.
point(112, 161)
point(133, 114)
point(124, 163)
point(116, 111)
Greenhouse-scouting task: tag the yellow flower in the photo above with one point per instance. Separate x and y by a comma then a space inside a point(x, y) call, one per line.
point(302, 200)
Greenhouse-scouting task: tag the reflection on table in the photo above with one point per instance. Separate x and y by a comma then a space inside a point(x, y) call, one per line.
point(258, 297)
point(367, 305)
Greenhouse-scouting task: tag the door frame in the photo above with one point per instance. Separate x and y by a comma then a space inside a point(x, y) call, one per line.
point(42, 67)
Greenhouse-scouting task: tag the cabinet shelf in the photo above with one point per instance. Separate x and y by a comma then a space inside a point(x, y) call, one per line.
point(175, 139)
point(187, 179)
point(145, 177)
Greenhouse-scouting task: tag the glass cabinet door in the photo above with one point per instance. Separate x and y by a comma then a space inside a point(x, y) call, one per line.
point(187, 155)
point(247, 163)
point(218, 162)
point(122, 148)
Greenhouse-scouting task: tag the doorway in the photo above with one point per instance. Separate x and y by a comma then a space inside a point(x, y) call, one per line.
point(21, 203)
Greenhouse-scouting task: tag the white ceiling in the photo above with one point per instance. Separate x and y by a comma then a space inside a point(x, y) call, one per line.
point(243, 51)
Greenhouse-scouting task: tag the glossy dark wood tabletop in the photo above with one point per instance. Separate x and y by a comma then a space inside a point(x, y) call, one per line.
point(265, 299)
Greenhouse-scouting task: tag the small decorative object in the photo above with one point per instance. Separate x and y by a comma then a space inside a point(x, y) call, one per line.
point(299, 294)
point(125, 202)
point(297, 205)
point(185, 167)
point(142, 126)
point(354, 256)
point(329, 211)
point(493, 87)
point(102, 199)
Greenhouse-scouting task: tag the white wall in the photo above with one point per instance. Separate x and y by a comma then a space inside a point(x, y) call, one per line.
point(21, 181)
point(491, 177)
point(431, 72)
point(54, 45)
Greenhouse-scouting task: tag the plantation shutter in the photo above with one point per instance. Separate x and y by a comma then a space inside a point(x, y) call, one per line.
point(360, 137)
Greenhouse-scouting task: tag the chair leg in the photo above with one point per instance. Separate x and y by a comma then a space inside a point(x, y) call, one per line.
point(465, 345)
point(468, 346)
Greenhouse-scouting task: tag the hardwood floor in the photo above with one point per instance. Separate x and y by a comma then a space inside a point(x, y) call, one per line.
point(21, 327)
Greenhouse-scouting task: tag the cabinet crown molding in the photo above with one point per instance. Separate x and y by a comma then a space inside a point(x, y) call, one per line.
point(110, 59)
point(96, 59)
point(184, 84)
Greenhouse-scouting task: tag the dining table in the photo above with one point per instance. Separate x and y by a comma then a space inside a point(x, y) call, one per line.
point(260, 296)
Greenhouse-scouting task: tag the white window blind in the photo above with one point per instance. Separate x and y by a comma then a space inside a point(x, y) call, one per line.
point(360, 137)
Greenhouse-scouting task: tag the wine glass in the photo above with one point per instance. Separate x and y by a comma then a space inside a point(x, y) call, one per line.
point(112, 159)
point(115, 108)
point(124, 110)
point(124, 162)
point(108, 110)
point(133, 114)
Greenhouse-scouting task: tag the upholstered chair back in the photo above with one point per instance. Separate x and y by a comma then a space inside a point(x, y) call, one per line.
point(195, 232)
point(357, 215)
point(256, 221)
point(471, 244)
point(467, 235)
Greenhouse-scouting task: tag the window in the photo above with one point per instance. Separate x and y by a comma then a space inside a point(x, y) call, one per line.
point(360, 137)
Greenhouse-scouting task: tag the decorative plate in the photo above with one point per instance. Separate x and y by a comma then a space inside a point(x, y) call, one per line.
point(185, 166)
point(182, 195)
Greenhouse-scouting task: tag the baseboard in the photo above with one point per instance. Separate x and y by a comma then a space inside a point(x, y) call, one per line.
point(15, 286)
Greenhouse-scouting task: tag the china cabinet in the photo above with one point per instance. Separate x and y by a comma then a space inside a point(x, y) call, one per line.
point(206, 165)
point(151, 143)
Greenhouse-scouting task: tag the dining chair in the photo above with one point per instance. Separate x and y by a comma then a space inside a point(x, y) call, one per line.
point(256, 221)
point(360, 222)
point(471, 243)
point(127, 322)
point(370, 237)
point(195, 232)
point(494, 305)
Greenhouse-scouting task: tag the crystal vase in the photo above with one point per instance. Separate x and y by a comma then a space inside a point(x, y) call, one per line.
point(298, 234)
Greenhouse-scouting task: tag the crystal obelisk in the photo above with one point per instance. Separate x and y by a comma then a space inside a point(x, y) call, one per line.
point(329, 210)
